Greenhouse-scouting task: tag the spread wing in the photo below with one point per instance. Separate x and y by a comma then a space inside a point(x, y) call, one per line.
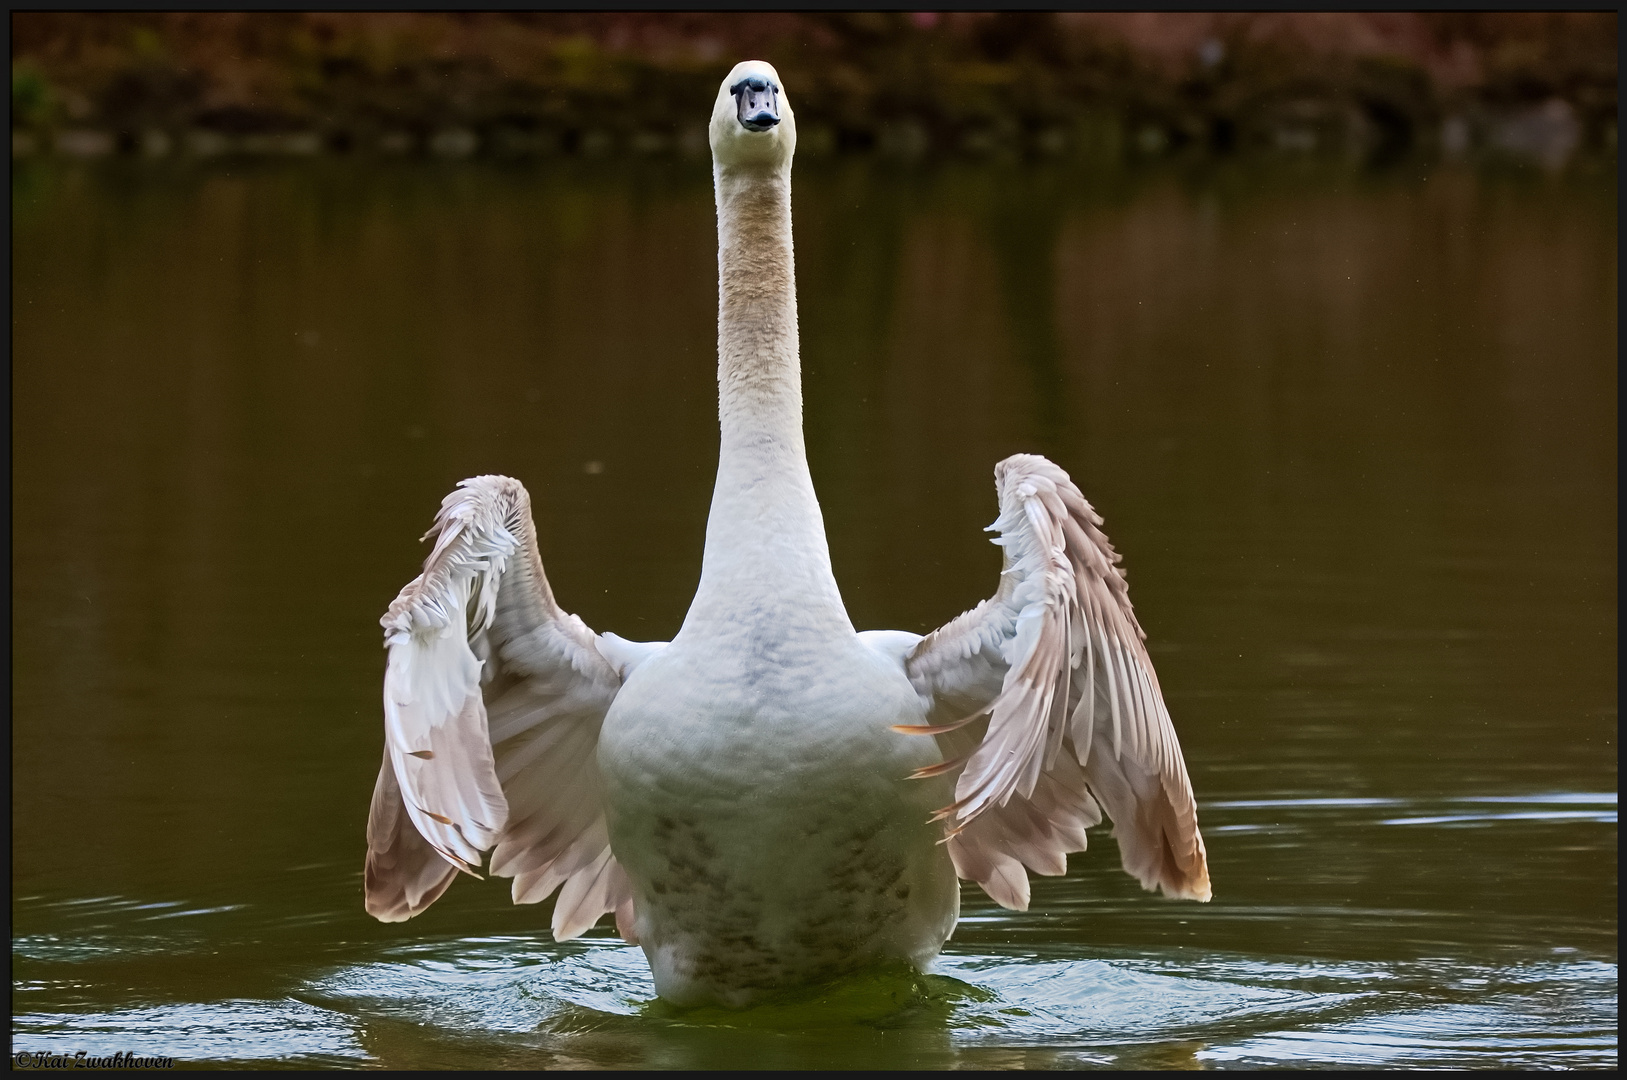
point(493, 700)
point(1047, 697)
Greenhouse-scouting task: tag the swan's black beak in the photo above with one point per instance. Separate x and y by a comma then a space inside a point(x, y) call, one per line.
point(757, 103)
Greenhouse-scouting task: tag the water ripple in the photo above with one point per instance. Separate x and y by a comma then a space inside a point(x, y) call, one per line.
point(1214, 1009)
point(220, 1031)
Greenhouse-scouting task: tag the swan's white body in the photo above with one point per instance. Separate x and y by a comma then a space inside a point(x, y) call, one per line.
point(758, 806)
point(755, 801)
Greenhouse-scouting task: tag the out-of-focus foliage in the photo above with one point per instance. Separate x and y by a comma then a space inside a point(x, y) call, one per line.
point(909, 82)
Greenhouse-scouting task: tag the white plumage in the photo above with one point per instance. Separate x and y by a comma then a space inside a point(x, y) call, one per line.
point(766, 800)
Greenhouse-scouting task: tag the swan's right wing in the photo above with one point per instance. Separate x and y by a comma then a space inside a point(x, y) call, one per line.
point(404, 874)
point(493, 700)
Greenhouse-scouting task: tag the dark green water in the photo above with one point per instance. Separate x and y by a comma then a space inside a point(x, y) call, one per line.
point(1355, 434)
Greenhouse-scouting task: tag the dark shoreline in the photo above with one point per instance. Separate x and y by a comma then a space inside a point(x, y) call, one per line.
point(1363, 86)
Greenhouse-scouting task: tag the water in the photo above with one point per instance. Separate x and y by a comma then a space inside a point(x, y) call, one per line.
point(1355, 432)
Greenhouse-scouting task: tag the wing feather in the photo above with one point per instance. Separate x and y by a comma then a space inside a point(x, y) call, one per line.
point(493, 700)
point(1069, 716)
point(404, 874)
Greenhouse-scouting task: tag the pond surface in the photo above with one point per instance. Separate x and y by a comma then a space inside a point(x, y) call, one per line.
point(1354, 432)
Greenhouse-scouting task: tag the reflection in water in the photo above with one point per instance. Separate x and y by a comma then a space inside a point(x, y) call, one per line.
point(522, 1001)
point(1023, 227)
point(1356, 435)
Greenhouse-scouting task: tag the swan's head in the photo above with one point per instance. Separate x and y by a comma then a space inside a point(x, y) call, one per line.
point(752, 123)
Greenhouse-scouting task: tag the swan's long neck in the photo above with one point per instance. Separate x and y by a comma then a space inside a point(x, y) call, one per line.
point(765, 539)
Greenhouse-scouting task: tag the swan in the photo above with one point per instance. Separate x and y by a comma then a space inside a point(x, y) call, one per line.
point(771, 798)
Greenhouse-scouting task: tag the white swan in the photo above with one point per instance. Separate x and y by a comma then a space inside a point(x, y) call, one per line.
point(766, 800)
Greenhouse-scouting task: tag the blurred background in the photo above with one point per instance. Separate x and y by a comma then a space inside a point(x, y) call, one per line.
point(1319, 310)
point(1533, 84)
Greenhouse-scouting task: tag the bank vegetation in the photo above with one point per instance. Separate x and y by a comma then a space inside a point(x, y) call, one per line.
point(1537, 85)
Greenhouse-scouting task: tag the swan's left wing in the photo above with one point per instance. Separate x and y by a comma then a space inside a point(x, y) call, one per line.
point(1046, 694)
